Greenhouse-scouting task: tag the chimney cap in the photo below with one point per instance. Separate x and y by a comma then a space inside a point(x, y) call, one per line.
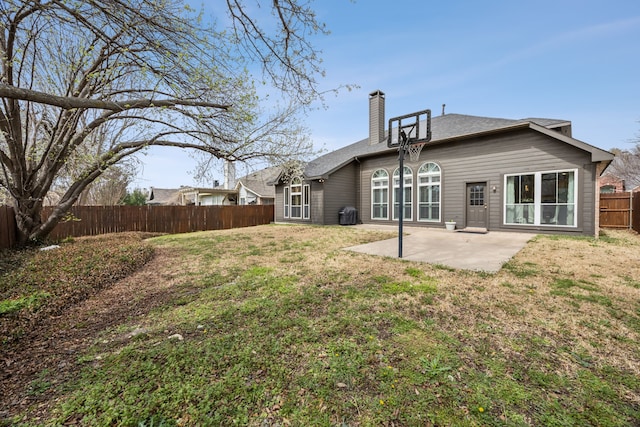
point(377, 92)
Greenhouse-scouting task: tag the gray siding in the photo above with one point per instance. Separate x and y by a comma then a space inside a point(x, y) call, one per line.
point(279, 204)
point(340, 190)
point(488, 159)
point(317, 202)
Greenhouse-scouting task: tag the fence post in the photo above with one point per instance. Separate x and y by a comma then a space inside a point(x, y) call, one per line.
point(630, 210)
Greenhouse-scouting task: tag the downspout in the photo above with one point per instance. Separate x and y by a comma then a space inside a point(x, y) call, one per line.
point(600, 167)
point(359, 189)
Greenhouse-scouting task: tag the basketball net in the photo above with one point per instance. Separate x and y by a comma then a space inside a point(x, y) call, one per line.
point(414, 151)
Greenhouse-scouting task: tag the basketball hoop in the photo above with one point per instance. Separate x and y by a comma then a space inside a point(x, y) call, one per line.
point(414, 151)
point(411, 133)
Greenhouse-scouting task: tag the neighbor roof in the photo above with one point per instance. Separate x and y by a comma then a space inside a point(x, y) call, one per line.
point(257, 181)
point(164, 196)
point(444, 128)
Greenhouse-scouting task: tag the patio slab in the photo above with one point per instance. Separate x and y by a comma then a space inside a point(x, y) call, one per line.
point(456, 249)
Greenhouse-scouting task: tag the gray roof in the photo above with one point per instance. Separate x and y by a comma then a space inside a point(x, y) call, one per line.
point(257, 181)
point(443, 128)
point(164, 196)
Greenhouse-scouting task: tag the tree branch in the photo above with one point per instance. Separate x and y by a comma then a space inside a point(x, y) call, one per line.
point(69, 102)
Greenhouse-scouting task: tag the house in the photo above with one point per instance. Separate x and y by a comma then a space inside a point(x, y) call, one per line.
point(525, 175)
point(163, 197)
point(611, 184)
point(251, 189)
point(217, 196)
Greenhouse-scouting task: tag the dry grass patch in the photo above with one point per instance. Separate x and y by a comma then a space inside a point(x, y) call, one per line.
point(281, 326)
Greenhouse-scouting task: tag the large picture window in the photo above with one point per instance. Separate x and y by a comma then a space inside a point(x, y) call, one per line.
point(541, 198)
point(407, 213)
point(429, 192)
point(380, 195)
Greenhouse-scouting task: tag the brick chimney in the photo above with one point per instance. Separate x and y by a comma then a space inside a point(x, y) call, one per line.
point(376, 117)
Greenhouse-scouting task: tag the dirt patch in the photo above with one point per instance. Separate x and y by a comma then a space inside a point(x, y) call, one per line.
point(54, 345)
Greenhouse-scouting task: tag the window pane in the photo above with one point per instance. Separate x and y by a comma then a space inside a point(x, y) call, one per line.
point(520, 214)
point(565, 187)
point(306, 194)
point(527, 190)
point(566, 215)
point(549, 188)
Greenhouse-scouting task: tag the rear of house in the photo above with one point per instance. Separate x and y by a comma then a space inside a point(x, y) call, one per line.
point(494, 174)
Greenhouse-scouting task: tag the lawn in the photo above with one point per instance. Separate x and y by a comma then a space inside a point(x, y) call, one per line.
point(276, 325)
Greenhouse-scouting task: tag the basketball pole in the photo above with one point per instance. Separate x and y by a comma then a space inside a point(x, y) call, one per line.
point(402, 143)
point(402, 149)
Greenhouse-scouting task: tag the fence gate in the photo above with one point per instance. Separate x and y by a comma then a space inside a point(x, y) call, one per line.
point(615, 210)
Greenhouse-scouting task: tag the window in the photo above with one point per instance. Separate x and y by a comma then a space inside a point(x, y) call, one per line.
point(407, 213)
point(380, 195)
point(306, 197)
point(429, 192)
point(541, 198)
point(558, 199)
point(296, 198)
point(286, 202)
point(520, 199)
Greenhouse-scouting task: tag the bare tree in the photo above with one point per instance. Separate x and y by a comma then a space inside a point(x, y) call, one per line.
point(626, 166)
point(85, 85)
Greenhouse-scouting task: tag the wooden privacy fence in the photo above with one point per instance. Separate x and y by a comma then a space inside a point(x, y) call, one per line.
point(7, 227)
point(92, 220)
point(620, 210)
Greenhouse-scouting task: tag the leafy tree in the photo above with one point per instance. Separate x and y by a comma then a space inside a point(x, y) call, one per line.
point(87, 84)
point(136, 197)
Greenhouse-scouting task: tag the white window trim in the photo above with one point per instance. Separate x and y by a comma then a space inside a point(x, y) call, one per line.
point(373, 188)
point(298, 183)
point(286, 202)
point(410, 205)
point(537, 204)
point(306, 201)
point(430, 184)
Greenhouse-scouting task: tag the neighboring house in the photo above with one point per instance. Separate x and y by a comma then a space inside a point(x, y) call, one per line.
point(163, 196)
point(248, 190)
point(510, 175)
point(611, 184)
point(185, 196)
point(254, 190)
point(218, 196)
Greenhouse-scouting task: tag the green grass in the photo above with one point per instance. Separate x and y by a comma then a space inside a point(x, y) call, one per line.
point(291, 333)
point(31, 302)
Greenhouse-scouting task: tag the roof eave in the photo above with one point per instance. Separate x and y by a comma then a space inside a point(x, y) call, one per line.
point(597, 154)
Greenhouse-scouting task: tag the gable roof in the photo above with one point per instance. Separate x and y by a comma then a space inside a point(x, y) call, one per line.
point(258, 182)
point(444, 129)
point(164, 196)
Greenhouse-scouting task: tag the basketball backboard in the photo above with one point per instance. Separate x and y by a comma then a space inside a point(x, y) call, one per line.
point(410, 129)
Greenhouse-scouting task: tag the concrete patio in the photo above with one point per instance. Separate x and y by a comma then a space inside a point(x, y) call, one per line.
point(457, 249)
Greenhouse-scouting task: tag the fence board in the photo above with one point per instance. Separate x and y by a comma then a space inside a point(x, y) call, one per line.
point(93, 220)
point(7, 227)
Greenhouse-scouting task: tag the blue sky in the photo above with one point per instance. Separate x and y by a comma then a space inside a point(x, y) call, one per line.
point(572, 60)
